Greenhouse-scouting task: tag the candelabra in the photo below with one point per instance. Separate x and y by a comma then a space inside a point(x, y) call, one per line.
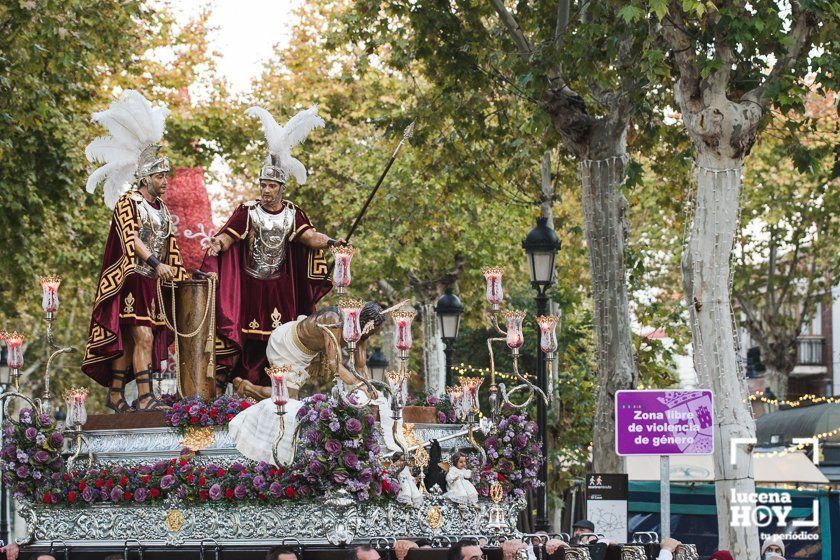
point(512, 336)
point(49, 303)
point(76, 418)
point(280, 397)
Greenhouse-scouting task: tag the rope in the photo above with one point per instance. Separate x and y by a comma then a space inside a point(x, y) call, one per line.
point(209, 310)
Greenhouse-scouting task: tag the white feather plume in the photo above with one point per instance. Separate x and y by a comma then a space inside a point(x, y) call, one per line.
point(281, 139)
point(133, 125)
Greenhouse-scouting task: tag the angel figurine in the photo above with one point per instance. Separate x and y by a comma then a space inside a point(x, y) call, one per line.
point(409, 493)
point(460, 489)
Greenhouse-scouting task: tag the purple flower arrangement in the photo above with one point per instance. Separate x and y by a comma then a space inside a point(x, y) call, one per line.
point(514, 457)
point(444, 408)
point(31, 454)
point(195, 412)
point(341, 451)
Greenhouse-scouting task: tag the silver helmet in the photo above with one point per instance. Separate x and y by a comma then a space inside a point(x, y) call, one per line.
point(150, 163)
point(273, 171)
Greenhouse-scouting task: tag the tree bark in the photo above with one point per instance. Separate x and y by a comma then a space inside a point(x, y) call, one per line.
point(706, 281)
point(605, 227)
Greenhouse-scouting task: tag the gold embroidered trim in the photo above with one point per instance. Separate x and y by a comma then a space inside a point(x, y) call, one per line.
point(254, 324)
point(128, 303)
point(275, 319)
point(299, 343)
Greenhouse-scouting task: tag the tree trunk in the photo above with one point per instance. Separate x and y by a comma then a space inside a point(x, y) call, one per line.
point(706, 281)
point(434, 361)
point(604, 209)
point(777, 380)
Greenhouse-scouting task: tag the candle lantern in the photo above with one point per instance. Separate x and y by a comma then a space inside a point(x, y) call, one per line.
point(453, 393)
point(76, 409)
point(351, 310)
point(49, 295)
point(341, 272)
point(514, 338)
point(494, 293)
point(469, 386)
point(548, 335)
point(398, 382)
point(402, 331)
point(14, 358)
point(279, 386)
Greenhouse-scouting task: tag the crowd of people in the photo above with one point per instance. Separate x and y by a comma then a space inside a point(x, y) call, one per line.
point(583, 533)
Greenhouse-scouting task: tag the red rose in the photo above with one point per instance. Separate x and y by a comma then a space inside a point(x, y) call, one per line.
point(190, 478)
point(386, 486)
point(221, 472)
point(214, 412)
point(229, 417)
point(201, 481)
point(99, 482)
point(71, 497)
point(66, 477)
point(145, 478)
point(47, 499)
point(127, 496)
point(499, 476)
point(103, 472)
point(272, 472)
point(82, 486)
point(154, 492)
point(182, 462)
point(290, 492)
point(244, 404)
point(229, 493)
point(203, 495)
point(193, 420)
point(279, 471)
point(109, 483)
point(170, 470)
point(123, 481)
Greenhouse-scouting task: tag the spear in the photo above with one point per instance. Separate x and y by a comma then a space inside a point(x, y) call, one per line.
point(409, 130)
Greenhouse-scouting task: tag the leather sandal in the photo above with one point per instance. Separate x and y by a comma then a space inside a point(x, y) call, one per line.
point(221, 378)
point(145, 377)
point(121, 405)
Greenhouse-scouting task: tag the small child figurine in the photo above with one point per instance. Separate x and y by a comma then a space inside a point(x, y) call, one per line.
point(409, 493)
point(461, 490)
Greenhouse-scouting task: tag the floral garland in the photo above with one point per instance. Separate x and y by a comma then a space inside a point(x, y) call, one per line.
point(342, 451)
point(514, 457)
point(31, 455)
point(195, 412)
point(444, 408)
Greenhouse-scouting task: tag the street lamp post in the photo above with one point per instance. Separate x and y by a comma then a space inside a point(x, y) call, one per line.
point(541, 245)
point(449, 309)
point(377, 363)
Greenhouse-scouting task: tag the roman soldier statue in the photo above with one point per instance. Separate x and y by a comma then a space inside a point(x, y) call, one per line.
point(128, 337)
point(268, 257)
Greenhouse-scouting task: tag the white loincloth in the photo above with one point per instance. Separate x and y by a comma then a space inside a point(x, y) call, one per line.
point(285, 347)
point(255, 429)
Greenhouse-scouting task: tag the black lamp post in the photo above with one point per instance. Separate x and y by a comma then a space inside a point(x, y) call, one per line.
point(377, 363)
point(541, 245)
point(449, 309)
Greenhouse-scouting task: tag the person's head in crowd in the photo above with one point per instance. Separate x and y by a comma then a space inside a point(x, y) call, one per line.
point(582, 527)
point(281, 553)
point(465, 550)
point(773, 549)
point(721, 555)
point(363, 552)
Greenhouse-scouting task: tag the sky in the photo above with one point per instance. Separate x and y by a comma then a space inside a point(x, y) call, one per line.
point(245, 33)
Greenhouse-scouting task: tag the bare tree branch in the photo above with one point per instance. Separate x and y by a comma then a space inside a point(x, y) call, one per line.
point(562, 23)
point(515, 31)
point(806, 22)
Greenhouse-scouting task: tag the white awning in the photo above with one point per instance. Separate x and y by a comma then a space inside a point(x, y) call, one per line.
point(791, 468)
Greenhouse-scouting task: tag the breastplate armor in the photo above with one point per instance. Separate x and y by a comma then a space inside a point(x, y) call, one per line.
point(268, 237)
point(155, 229)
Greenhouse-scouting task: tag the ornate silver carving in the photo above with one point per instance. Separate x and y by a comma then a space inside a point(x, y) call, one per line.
point(687, 552)
point(267, 237)
point(155, 229)
point(576, 553)
point(338, 519)
point(631, 552)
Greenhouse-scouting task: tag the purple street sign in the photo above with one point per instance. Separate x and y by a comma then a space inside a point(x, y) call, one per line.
point(664, 423)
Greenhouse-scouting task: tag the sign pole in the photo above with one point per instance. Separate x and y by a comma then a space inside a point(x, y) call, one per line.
point(665, 495)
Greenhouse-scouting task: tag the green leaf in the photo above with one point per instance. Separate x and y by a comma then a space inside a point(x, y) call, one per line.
point(631, 13)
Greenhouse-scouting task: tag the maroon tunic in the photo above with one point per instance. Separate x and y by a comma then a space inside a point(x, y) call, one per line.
point(124, 297)
point(249, 308)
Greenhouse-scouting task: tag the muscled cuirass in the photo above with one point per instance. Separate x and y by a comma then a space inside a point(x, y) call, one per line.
point(268, 237)
point(155, 229)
